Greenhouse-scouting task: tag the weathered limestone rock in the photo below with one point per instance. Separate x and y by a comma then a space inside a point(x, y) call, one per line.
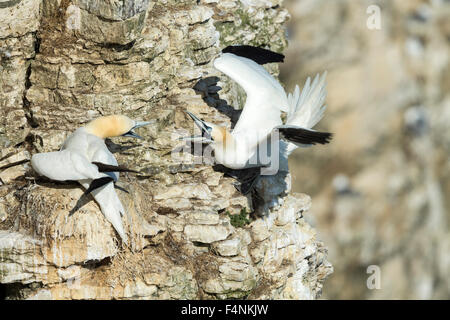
point(228, 248)
point(19, 17)
point(77, 60)
point(19, 24)
point(206, 234)
point(20, 260)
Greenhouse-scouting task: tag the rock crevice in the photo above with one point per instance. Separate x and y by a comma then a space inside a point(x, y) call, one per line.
point(68, 62)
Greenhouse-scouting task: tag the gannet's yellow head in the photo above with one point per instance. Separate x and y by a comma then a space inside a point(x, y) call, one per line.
point(114, 126)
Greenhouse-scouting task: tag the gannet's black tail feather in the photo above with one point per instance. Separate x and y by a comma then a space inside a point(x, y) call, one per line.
point(102, 167)
point(302, 136)
point(257, 54)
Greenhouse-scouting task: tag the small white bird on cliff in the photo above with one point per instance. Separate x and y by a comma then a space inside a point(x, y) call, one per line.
point(252, 137)
point(84, 157)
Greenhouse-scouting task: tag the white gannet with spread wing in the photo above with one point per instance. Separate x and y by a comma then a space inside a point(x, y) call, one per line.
point(261, 116)
point(84, 157)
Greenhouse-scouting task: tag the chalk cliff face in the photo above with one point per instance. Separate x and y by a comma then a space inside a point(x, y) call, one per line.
point(63, 63)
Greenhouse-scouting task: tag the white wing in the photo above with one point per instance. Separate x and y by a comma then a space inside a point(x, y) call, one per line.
point(99, 152)
point(307, 108)
point(82, 149)
point(92, 147)
point(106, 196)
point(64, 165)
point(266, 98)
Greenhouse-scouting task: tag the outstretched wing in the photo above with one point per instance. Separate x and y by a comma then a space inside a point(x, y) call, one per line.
point(266, 98)
point(307, 108)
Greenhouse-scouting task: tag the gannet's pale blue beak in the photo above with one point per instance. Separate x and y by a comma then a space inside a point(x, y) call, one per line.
point(206, 130)
point(196, 139)
point(205, 137)
point(137, 124)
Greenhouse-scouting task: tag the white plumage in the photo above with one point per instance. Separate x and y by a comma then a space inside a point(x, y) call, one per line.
point(265, 96)
point(307, 109)
point(250, 140)
point(75, 160)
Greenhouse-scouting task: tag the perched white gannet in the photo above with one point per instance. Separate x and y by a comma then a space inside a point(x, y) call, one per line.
point(84, 157)
point(261, 116)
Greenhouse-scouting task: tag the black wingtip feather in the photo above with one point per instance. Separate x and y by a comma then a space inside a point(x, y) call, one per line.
point(305, 136)
point(102, 167)
point(257, 54)
point(97, 183)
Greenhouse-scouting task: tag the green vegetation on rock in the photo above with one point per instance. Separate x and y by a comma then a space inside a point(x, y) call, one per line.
point(239, 220)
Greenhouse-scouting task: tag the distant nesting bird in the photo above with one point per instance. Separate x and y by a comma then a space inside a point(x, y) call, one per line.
point(84, 157)
point(261, 116)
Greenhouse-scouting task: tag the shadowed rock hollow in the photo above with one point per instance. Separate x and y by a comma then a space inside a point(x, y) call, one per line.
point(63, 63)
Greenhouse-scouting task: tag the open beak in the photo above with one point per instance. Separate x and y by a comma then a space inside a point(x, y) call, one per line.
point(206, 130)
point(196, 139)
point(205, 137)
point(138, 124)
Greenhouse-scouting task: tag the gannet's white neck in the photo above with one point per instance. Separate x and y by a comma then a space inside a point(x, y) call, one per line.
point(222, 138)
point(230, 150)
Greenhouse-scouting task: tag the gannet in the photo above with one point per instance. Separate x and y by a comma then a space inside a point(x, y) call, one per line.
point(253, 135)
point(84, 157)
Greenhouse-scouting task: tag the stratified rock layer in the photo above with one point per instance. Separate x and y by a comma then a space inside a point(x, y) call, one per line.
point(65, 63)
